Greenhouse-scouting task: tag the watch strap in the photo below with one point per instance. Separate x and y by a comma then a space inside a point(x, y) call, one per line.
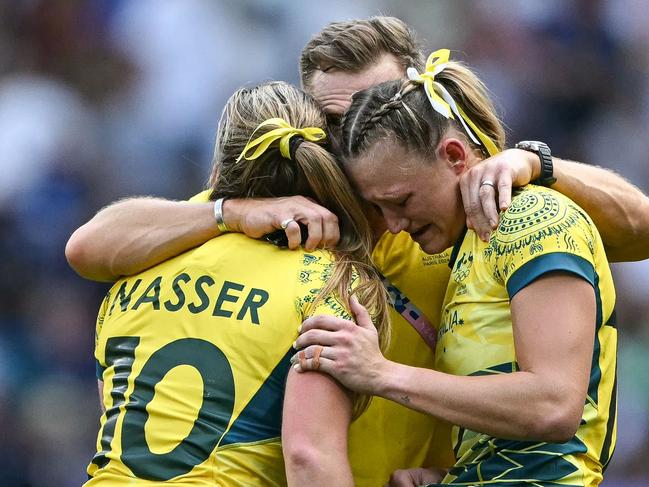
point(541, 149)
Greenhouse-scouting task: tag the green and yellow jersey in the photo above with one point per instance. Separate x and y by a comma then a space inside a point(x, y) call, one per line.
point(541, 232)
point(388, 436)
point(194, 355)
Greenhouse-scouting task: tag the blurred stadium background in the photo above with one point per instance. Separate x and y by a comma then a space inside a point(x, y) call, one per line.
point(101, 99)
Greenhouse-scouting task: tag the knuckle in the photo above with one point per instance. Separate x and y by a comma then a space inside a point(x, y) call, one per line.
point(473, 209)
point(346, 340)
point(315, 217)
point(484, 191)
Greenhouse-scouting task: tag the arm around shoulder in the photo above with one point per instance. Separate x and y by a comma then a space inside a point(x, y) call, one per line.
point(619, 209)
point(134, 234)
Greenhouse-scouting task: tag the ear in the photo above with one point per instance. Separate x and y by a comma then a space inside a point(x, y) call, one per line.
point(454, 153)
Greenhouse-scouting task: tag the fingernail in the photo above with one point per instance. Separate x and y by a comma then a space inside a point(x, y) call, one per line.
point(299, 329)
point(297, 367)
point(492, 223)
point(294, 345)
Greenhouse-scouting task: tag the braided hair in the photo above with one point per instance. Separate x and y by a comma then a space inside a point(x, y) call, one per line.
point(401, 110)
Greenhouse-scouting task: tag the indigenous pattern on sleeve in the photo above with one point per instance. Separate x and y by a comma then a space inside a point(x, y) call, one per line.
point(314, 274)
point(194, 355)
point(541, 232)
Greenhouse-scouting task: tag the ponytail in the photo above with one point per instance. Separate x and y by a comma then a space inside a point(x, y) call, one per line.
point(283, 156)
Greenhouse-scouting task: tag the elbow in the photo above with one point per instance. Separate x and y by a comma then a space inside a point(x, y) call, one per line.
point(306, 458)
point(302, 456)
point(629, 240)
point(81, 257)
point(76, 252)
point(556, 423)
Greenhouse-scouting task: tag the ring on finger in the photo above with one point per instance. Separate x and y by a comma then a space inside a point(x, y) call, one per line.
point(285, 223)
point(488, 182)
point(302, 357)
point(316, 357)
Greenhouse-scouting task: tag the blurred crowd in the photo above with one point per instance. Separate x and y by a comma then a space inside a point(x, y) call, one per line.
point(102, 99)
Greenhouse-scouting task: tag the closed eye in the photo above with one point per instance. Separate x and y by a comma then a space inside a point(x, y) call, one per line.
point(404, 201)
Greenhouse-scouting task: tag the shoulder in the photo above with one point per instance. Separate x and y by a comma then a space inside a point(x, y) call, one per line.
point(538, 213)
point(542, 231)
point(315, 267)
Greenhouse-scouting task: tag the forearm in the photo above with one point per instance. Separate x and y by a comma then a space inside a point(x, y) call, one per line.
point(135, 234)
point(518, 405)
point(618, 208)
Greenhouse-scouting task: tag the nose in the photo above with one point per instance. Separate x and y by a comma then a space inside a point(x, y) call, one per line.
point(395, 222)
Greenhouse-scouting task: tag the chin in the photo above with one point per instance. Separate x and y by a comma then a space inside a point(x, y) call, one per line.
point(433, 247)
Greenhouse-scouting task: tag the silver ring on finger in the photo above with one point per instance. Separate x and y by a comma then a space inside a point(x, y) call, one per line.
point(286, 223)
point(488, 182)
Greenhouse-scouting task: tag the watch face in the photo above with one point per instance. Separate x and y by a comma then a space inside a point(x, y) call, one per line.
point(530, 145)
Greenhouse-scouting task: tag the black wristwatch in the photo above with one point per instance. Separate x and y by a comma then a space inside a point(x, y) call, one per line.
point(545, 156)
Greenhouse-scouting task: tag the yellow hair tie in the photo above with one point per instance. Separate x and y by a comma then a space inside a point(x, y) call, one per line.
point(283, 133)
point(442, 101)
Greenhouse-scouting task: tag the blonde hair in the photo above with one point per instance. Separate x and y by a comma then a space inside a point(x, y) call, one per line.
point(401, 109)
point(312, 171)
point(354, 45)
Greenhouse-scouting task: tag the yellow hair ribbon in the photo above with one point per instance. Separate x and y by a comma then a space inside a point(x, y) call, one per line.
point(486, 142)
point(434, 65)
point(442, 101)
point(284, 132)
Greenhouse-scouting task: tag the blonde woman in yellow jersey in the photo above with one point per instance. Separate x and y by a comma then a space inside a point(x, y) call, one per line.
point(526, 350)
point(194, 353)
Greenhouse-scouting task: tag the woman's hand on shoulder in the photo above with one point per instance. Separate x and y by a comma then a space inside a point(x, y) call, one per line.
point(346, 350)
point(258, 217)
point(483, 202)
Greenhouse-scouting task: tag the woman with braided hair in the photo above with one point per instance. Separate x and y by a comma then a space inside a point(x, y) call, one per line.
point(526, 350)
point(193, 354)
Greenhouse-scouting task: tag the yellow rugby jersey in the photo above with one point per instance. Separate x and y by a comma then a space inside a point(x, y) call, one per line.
point(541, 232)
point(389, 436)
point(194, 355)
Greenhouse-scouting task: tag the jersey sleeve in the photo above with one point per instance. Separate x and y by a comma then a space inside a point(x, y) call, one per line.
point(541, 232)
point(99, 355)
point(314, 273)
